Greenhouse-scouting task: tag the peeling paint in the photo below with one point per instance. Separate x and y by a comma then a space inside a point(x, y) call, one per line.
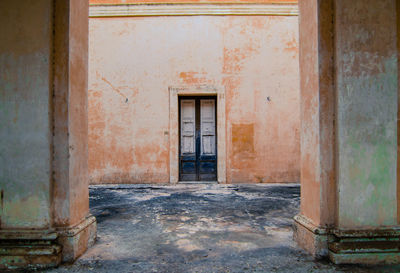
point(367, 114)
point(25, 78)
point(127, 140)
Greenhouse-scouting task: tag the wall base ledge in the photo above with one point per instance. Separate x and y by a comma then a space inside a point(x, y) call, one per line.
point(371, 247)
point(29, 250)
point(310, 237)
point(77, 239)
point(27, 234)
point(372, 258)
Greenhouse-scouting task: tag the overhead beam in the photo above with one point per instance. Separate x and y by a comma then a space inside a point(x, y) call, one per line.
point(136, 10)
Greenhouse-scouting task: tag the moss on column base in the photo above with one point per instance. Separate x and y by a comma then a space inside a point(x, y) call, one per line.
point(371, 247)
point(29, 249)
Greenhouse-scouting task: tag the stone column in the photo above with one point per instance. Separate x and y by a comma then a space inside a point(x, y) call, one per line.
point(44, 208)
point(318, 197)
point(366, 131)
point(361, 224)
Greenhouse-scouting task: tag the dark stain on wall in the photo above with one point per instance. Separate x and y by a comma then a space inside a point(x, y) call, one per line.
point(242, 138)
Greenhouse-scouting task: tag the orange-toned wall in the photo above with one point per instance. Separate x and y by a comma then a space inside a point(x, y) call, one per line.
point(133, 61)
point(95, 2)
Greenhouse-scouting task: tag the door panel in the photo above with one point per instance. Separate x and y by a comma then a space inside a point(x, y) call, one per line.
point(198, 153)
point(188, 126)
point(207, 111)
point(188, 166)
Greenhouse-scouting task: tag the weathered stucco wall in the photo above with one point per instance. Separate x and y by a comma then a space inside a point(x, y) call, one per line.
point(25, 81)
point(133, 61)
point(317, 112)
point(94, 2)
point(366, 74)
point(70, 166)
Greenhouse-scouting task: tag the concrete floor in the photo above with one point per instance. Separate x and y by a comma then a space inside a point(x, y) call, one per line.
point(198, 228)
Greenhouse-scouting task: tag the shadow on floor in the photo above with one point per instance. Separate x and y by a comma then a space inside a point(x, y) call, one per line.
point(198, 228)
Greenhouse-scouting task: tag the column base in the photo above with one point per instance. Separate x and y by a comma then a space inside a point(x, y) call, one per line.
point(370, 247)
point(76, 240)
point(40, 249)
point(29, 249)
point(311, 238)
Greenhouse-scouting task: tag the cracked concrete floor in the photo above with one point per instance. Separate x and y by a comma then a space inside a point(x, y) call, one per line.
point(198, 228)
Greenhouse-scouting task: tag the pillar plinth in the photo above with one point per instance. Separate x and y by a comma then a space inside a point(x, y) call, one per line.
point(75, 240)
point(311, 237)
point(29, 249)
point(40, 249)
point(377, 246)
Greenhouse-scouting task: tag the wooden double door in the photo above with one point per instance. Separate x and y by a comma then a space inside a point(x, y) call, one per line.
point(198, 136)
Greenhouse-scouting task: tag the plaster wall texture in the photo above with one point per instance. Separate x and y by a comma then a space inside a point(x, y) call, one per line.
point(71, 203)
point(116, 2)
point(317, 112)
point(398, 112)
point(367, 92)
point(133, 61)
point(25, 141)
point(309, 85)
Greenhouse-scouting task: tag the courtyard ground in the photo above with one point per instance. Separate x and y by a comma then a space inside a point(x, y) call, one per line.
point(198, 228)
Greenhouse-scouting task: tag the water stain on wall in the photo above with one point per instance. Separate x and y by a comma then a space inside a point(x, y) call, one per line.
point(192, 77)
point(243, 149)
point(242, 138)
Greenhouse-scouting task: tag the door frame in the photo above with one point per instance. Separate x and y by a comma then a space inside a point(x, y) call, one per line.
point(204, 90)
